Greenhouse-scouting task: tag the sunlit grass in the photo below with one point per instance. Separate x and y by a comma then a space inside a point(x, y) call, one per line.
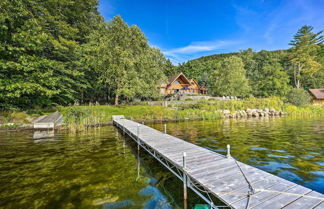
point(78, 118)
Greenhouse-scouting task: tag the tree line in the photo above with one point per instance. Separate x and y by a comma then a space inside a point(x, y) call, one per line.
point(61, 52)
point(264, 73)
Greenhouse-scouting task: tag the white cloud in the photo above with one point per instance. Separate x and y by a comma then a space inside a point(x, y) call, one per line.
point(284, 19)
point(195, 47)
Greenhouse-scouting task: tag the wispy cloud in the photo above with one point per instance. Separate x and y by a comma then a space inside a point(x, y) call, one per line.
point(195, 47)
point(284, 18)
point(193, 50)
point(269, 25)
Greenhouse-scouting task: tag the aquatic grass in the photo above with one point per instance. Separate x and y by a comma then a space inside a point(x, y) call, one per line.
point(309, 110)
point(9, 126)
point(78, 118)
point(14, 117)
point(234, 105)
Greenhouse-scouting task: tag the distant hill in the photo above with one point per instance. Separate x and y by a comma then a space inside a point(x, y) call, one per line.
point(215, 56)
point(200, 67)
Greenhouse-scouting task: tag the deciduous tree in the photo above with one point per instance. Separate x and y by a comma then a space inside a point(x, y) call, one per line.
point(229, 78)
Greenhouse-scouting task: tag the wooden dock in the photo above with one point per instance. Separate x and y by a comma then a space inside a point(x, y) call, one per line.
point(208, 173)
point(48, 121)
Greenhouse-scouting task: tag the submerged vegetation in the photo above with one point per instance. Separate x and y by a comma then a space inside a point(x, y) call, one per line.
point(89, 169)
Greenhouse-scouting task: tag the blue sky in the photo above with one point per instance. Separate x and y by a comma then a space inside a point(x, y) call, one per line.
point(188, 29)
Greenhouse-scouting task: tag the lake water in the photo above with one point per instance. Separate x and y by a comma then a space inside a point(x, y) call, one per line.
point(101, 169)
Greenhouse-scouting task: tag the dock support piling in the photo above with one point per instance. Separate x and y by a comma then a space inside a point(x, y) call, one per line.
point(229, 152)
point(165, 128)
point(184, 181)
point(138, 163)
point(124, 128)
point(124, 145)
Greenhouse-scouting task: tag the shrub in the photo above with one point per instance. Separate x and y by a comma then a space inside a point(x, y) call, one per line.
point(20, 117)
point(298, 97)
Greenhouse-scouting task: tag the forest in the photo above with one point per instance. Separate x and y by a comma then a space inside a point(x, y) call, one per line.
point(263, 73)
point(64, 52)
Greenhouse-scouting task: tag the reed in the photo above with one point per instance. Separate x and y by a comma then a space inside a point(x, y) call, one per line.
point(79, 118)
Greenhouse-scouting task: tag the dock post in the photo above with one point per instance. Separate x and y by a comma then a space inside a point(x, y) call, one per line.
point(124, 128)
point(138, 164)
point(124, 145)
point(211, 204)
point(184, 181)
point(165, 128)
point(229, 152)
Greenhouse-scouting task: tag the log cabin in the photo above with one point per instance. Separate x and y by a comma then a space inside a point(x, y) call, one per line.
point(180, 84)
point(317, 96)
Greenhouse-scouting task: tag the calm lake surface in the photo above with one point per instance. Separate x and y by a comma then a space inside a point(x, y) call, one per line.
point(102, 169)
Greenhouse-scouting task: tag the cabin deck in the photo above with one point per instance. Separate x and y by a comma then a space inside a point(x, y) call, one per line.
point(208, 173)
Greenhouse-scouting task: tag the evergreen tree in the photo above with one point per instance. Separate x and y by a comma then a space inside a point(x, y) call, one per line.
point(306, 45)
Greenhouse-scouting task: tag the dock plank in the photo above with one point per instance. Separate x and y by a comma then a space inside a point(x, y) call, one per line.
point(320, 206)
point(306, 201)
point(284, 199)
point(221, 176)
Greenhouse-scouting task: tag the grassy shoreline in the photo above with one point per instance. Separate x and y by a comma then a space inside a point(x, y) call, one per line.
point(78, 118)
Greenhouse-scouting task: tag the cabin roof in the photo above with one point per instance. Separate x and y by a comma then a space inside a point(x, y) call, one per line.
point(173, 78)
point(317, 93)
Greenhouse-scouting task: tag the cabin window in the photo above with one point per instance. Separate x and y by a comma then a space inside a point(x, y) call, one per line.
point(177, 82)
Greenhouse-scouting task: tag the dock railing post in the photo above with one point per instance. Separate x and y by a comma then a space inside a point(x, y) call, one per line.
point(229, 152)
point(165, 128)
point(184, 181)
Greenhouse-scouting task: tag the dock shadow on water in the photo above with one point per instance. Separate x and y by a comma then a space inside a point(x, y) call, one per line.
point(100, 168)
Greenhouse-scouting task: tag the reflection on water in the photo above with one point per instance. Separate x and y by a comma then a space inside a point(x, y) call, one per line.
point(96, 169)
point(44, 134)
point(291, 148)
point(102, 169)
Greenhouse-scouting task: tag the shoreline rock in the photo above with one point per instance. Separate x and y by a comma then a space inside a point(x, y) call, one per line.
point(252, 113)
